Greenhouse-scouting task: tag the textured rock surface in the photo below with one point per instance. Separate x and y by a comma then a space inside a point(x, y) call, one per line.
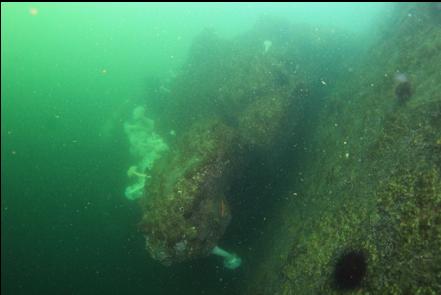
point(356, 161)
point(232, 98)
point(185, 208)
point(371, 180)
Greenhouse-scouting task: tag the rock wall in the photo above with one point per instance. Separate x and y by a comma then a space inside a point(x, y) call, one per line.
point(365, 216)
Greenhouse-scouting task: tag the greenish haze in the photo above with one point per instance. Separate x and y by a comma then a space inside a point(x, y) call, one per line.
point(71, 74)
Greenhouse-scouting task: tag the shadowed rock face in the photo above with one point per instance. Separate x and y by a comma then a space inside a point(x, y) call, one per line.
point(185, 207)
point(241, 98)
point(372, 179)
point(371, 176)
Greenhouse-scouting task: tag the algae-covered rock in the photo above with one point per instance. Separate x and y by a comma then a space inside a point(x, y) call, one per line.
point(230, 95)
point(251, 88)
point(261, 121)
point(362, 203)
point(185, 208)
point(366, 216)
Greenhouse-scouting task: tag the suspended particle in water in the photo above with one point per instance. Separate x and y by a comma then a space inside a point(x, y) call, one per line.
point(33, 11)
point(267, 45)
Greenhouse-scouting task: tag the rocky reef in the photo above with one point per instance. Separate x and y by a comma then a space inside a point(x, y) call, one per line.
point(185, 209)
point(366, 217)
point(233, 101)
point(349, 138)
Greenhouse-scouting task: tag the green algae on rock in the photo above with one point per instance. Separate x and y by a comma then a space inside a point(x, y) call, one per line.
point(372, 183)
point(185, 208)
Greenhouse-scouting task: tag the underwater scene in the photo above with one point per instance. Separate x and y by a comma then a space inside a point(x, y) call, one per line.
point(221, 148)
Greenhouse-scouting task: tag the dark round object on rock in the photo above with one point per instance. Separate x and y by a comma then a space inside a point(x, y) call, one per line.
point(350, 270)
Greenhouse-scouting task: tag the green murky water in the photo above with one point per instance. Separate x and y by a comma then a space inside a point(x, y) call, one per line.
point(71, 77)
